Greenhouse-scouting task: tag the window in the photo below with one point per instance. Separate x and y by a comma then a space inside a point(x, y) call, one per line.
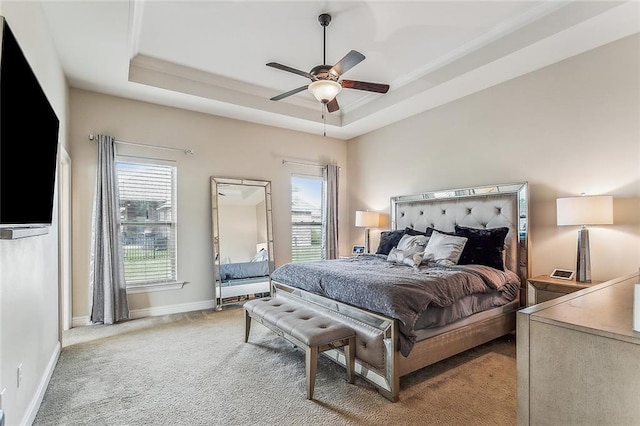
point(307, 217)
point(148, 221)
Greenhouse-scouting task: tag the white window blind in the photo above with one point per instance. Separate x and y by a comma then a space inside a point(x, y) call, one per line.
point(148, 221)
point(307, 218)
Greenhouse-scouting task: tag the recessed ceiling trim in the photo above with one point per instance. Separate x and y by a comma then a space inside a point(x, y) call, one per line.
point(166, 75)
point(136, 12)
point(511, 48)
point(494, 34)
point(588, 35)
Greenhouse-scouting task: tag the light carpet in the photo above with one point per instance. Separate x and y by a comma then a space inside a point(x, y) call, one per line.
point(195, 369)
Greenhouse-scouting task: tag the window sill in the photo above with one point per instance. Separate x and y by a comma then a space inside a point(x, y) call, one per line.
point(147, 288)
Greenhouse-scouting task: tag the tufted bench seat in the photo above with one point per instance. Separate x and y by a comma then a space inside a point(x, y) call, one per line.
point(306, 328)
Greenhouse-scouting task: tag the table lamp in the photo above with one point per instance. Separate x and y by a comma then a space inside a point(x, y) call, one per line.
point(583, 211)
point(367, 220)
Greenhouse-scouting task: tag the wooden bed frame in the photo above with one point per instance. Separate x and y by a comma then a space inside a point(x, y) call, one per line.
point(378, 359)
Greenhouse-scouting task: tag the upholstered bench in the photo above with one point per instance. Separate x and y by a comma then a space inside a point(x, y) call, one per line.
point(306, 328)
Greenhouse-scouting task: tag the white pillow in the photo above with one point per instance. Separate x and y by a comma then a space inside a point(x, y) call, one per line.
point(443, 249)
point(409, 257)
point(413, 242)
point(260, 256)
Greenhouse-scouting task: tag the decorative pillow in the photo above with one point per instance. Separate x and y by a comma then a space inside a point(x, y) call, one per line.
point(389, 240)
point(444, 249)
point(409, 257)
point(484, 246)
point(412, 242)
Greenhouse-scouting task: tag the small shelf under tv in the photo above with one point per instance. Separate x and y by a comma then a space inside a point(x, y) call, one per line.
point(15, 233)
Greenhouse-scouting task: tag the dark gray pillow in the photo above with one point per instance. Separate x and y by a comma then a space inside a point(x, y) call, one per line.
point(388, 240)
point(411, 231)
point(484, 246)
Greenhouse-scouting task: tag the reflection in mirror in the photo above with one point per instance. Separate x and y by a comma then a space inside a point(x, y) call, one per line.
point(242, 239)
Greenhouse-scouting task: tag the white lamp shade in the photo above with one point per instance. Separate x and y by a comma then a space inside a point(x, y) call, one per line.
point(325, 90)
point(585, 210)
point(367, 219)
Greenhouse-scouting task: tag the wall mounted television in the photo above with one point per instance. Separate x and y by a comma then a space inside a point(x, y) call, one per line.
point(28, 144)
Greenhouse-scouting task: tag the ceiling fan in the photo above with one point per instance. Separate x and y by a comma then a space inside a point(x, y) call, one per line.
point(325, 83)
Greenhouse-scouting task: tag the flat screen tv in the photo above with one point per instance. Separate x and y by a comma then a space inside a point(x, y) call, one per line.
point(28, 141)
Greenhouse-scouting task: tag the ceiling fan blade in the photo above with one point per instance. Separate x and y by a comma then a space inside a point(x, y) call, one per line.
point(365, 85)
point(332, 106)
point(293, 70)
point(349, 61)
point(289, 93)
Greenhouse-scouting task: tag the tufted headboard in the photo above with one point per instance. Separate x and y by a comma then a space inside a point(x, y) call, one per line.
point(488, 206)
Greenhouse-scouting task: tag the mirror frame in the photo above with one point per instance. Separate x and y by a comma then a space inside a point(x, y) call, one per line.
point(215, 228)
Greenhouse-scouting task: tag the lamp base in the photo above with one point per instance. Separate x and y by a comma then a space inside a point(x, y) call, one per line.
point(583, 266)
point(366, 239)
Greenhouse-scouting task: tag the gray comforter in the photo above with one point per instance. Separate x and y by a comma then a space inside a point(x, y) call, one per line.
point(393, 290)
point(236, 271)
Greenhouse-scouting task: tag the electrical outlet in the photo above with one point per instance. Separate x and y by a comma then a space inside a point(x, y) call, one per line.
point(19, 374)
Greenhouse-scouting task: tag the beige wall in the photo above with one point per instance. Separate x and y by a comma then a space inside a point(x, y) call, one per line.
point(223, 148)
point(569, 128)
point(29, 266)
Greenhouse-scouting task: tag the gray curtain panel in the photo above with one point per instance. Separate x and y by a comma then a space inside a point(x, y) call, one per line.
point(109, 301)
point(331, 172)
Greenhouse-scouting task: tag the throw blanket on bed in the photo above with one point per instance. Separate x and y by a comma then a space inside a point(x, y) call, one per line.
point(397, 291)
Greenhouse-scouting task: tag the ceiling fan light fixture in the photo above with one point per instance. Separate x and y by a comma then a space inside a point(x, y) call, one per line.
point(325, 79)
point(325, 90)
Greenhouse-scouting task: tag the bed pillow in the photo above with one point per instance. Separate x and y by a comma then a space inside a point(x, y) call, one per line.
point(260, 256)
point(430, 231)
point(411, 231)
point(389, 240)
point(443, 249)
point(484, 246)
point(411, 257)
point(412, 242)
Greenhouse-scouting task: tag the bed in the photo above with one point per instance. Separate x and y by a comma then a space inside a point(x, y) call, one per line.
point(410, 312)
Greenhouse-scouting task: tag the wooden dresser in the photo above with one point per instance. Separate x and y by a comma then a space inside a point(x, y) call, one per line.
point(578, 358)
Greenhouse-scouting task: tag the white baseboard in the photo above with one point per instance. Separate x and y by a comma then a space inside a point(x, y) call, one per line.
point(171, 309)
point(154, 311)
point(80, 321)
point(34, 406)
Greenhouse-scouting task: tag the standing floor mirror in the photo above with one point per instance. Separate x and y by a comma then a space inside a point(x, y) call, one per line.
point(242, 228)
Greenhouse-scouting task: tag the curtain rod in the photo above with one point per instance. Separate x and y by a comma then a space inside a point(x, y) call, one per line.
point(184, 151)
point(297, 163)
